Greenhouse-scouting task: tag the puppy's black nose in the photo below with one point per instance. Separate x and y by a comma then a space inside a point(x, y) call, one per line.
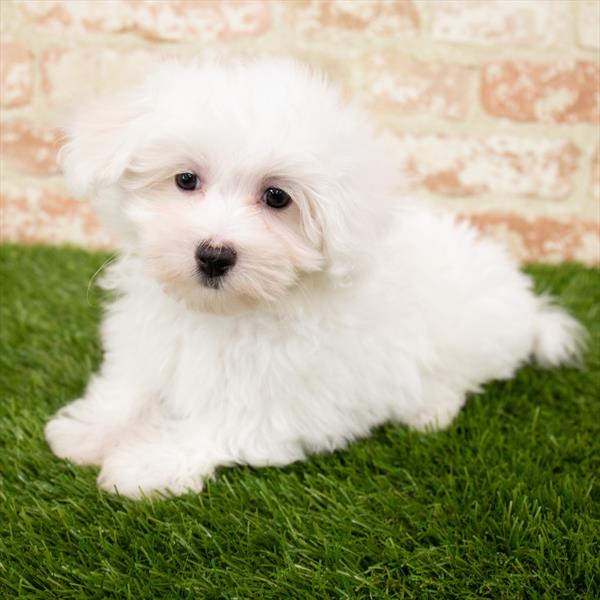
point(215, 261)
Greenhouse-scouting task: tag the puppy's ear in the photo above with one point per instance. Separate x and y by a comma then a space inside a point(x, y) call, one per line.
point(100, 141)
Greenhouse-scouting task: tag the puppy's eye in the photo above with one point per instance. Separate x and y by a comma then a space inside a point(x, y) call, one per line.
point(187, 181)
point(276, 198)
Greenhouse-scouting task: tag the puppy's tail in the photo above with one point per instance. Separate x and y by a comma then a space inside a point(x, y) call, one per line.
point(558, 338)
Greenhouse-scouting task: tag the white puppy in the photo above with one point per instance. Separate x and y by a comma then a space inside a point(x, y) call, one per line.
point(275, 296)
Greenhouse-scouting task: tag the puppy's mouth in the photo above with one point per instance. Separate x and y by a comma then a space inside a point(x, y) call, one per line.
point(213, 283)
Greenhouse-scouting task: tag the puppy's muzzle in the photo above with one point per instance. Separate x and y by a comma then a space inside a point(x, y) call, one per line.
point(213, 262)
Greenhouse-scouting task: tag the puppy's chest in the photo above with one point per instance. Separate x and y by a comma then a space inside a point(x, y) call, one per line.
point(229, 363)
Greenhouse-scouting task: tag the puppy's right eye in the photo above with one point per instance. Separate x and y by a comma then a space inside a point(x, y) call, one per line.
point(187, 181)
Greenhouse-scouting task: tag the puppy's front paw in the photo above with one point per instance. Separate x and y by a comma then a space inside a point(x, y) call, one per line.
point(73, 434)
point(146, 468)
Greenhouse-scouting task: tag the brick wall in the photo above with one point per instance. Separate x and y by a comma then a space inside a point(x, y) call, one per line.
point(490, 107)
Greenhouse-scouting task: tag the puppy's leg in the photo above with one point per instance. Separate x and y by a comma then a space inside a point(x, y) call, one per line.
point(173, 457)
point(84, 430)
point(165, 458)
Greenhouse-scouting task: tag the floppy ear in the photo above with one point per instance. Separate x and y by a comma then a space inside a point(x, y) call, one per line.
point(356, 212)
point(101, 139)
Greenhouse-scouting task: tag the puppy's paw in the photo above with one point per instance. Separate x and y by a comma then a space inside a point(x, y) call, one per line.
point(145, 468)
point(440, 407)
point(428, 421)
point(75, 435)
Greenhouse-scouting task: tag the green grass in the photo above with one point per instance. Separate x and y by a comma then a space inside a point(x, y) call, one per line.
point(503, 505)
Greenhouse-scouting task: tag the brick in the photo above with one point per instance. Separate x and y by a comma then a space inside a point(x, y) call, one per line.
point(499, 164)
point(76, 15)
point(190, 19)
point(557, 92)
point(15, 75)
point(32, 148)
point(595, 175)
point(156, 19)
point(403, 86)
point(70, 74)
point(373, 16)
point(588, 23)
point(488, 22)
point(39, 215)
point(543, 239)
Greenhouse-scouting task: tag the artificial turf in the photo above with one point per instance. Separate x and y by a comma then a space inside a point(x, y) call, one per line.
point(503, 505)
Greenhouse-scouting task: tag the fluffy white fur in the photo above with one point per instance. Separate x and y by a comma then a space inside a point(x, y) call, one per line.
point(349, 308)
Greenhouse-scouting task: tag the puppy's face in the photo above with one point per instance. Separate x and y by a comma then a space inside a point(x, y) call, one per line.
point(234, 185)
point(219, 236)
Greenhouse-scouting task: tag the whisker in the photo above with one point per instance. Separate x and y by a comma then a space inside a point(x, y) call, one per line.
point(107, 262)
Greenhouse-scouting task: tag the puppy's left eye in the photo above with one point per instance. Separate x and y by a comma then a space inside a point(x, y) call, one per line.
point(187, 181)
point(276, 198)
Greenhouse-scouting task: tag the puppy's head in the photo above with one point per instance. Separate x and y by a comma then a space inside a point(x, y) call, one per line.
point(234, 184)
